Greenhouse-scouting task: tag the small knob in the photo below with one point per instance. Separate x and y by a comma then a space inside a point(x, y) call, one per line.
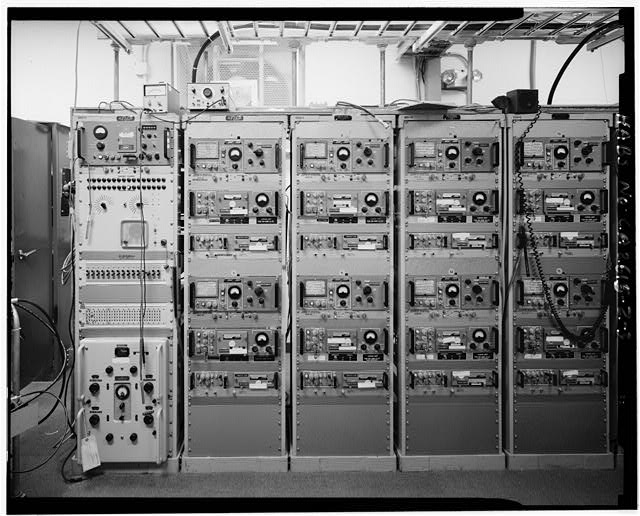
point(133, 369)
point(108, 370)
point(94, 419)
point(109, 437)
point(148, 419)
point(133, 437)
point(148, 387)
point(94, 388)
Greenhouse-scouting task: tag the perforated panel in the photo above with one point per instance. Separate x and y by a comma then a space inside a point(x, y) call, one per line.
point(260, 75)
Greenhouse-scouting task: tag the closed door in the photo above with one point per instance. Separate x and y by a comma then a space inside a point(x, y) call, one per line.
point(32, 245)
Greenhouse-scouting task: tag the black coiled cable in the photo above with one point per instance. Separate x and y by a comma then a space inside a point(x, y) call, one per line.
point(586, 335)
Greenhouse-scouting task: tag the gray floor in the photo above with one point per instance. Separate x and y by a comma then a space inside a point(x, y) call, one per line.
point(550, 487)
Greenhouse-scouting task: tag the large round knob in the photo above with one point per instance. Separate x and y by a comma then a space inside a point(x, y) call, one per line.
point(258, 152)
point(122, 392)
point(452, 290)
point(477, 151)
point(343, 153)
point(561, 152)
point(586, 150)
point(342, 291)
point(235, 292)
point(560, 290)
point(476, 289)
point(371, 199)
point(235, 153)
point(108, 370)
point(258, 290)
point(262, 199)
point(370, 337)
point(94, 419)
point(452, 152)
point(479, 198)
point(366, 290)
point(148, 419)
point(367, 151)
point(148, 387)
point(109, 437)
point(94, 388)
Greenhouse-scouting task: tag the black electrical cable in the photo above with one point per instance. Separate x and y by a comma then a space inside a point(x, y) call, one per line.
point(58, 401)
point(208, 41)
point(604, 28)
point(64, 363)
point(585, 335)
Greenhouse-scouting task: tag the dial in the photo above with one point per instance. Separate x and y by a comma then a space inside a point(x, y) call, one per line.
point(343, 153)
point(235, 153)
point(370, 337)
point(235, 292)
point(561, 152)
point(452, 152)
point(207, 93)
point(262, 339)
point(367, 151)
point(479, 198)
point(479, 335)
point(342, 291)
point(100, 132)
point(587, 197)
point(371, 199)
point(560, 290)
point(262, 199)
point(452, 290)
point(122, 392)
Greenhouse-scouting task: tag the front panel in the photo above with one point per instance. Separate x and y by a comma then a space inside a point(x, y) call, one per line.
point(128, 383)
point(560, 257)
point(342, 279)
point(449, 231)
point(235, 292)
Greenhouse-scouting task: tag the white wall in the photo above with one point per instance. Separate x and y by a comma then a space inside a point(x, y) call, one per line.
point(42, 69)
point(43, 52)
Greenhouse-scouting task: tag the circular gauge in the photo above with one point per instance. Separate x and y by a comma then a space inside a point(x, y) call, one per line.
point(587, 197)
point(207, 93)
point(560, 290)
point(370, 337)
point(371, 199)
point(235, 292)
point(100, 132)
point(452, 152)
point(122, 392)
point(343, 153)
point(342, 291)
point(452, 290)
point(262, 339)
point(561, 152)
point(479, 198)
point(262, 199)
point(479, 335)
point(235, 154)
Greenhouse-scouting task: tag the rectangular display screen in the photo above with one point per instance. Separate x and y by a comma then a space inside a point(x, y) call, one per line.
point(315, 150)
point(315, 288)
point(207, 150)
point(207, 289)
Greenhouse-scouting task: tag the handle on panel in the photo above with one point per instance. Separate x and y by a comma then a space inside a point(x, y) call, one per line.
point(386, 155)
point(495, 154)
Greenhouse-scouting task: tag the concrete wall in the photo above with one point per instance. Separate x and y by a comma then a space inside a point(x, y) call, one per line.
point(43, 53)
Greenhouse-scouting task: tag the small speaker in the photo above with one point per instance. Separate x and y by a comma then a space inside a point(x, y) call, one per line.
point(523, 101)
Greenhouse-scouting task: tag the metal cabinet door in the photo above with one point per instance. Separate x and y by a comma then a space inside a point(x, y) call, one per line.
point(32, 246)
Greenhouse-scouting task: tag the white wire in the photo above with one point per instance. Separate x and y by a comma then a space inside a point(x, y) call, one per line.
point(75, 79)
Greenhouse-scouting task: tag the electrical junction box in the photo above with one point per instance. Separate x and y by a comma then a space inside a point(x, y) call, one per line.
point(161, 98)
